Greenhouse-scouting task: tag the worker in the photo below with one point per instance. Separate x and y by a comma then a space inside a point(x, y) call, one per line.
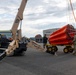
point(74, 43)
point(44, 41)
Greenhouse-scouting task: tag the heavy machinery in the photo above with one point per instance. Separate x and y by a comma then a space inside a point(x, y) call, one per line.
point(61, 37)
point(19, 44)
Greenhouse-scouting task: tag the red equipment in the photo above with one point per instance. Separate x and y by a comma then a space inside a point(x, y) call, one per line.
point(62, 36)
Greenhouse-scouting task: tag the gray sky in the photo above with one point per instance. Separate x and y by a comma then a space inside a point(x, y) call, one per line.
point(38, 15)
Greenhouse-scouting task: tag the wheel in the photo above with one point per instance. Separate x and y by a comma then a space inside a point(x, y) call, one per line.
point(52, 52)
point(65, 50)
point(54, 48)
point(48, 47)
point(71, 49)
point(48, 50)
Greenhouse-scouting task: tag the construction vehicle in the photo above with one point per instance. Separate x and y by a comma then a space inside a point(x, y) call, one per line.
point(6, 33)
point(61, 37)
point(19, 44)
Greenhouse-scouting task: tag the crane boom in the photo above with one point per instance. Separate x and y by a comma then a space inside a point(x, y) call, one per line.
point(18, 18)
point(15, 43)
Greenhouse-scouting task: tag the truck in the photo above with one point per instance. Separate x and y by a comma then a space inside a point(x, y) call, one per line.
point(61, 37)
point(18, 44)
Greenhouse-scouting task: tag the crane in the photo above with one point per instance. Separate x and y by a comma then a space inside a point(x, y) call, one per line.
point(19, 43)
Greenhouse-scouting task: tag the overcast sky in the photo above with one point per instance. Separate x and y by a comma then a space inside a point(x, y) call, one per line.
point(39, 15)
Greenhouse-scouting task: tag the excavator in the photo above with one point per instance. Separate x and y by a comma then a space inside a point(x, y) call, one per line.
point(19, 44)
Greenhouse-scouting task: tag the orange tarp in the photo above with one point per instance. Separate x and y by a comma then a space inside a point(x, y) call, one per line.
point(62, 36)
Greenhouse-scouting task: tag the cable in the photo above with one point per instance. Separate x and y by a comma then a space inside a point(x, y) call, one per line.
point(72, 10)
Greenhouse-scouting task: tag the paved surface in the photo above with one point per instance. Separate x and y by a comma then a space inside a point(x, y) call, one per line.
point(39, 63)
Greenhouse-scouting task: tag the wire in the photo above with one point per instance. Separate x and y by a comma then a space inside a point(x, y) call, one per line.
point(68, 12)
point(72, 10)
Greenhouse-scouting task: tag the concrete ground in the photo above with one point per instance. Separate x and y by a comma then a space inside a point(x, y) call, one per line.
point(39, 63)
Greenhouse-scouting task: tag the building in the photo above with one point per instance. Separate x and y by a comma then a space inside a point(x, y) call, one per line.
point(38, 38)
point(6, 33)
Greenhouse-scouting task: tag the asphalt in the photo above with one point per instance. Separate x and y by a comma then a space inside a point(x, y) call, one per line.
point(36, 62)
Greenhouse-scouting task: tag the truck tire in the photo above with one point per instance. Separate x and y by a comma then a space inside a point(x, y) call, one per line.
point(65, 50)
point(48, 50)
point(71, 49)
point(54, 48)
